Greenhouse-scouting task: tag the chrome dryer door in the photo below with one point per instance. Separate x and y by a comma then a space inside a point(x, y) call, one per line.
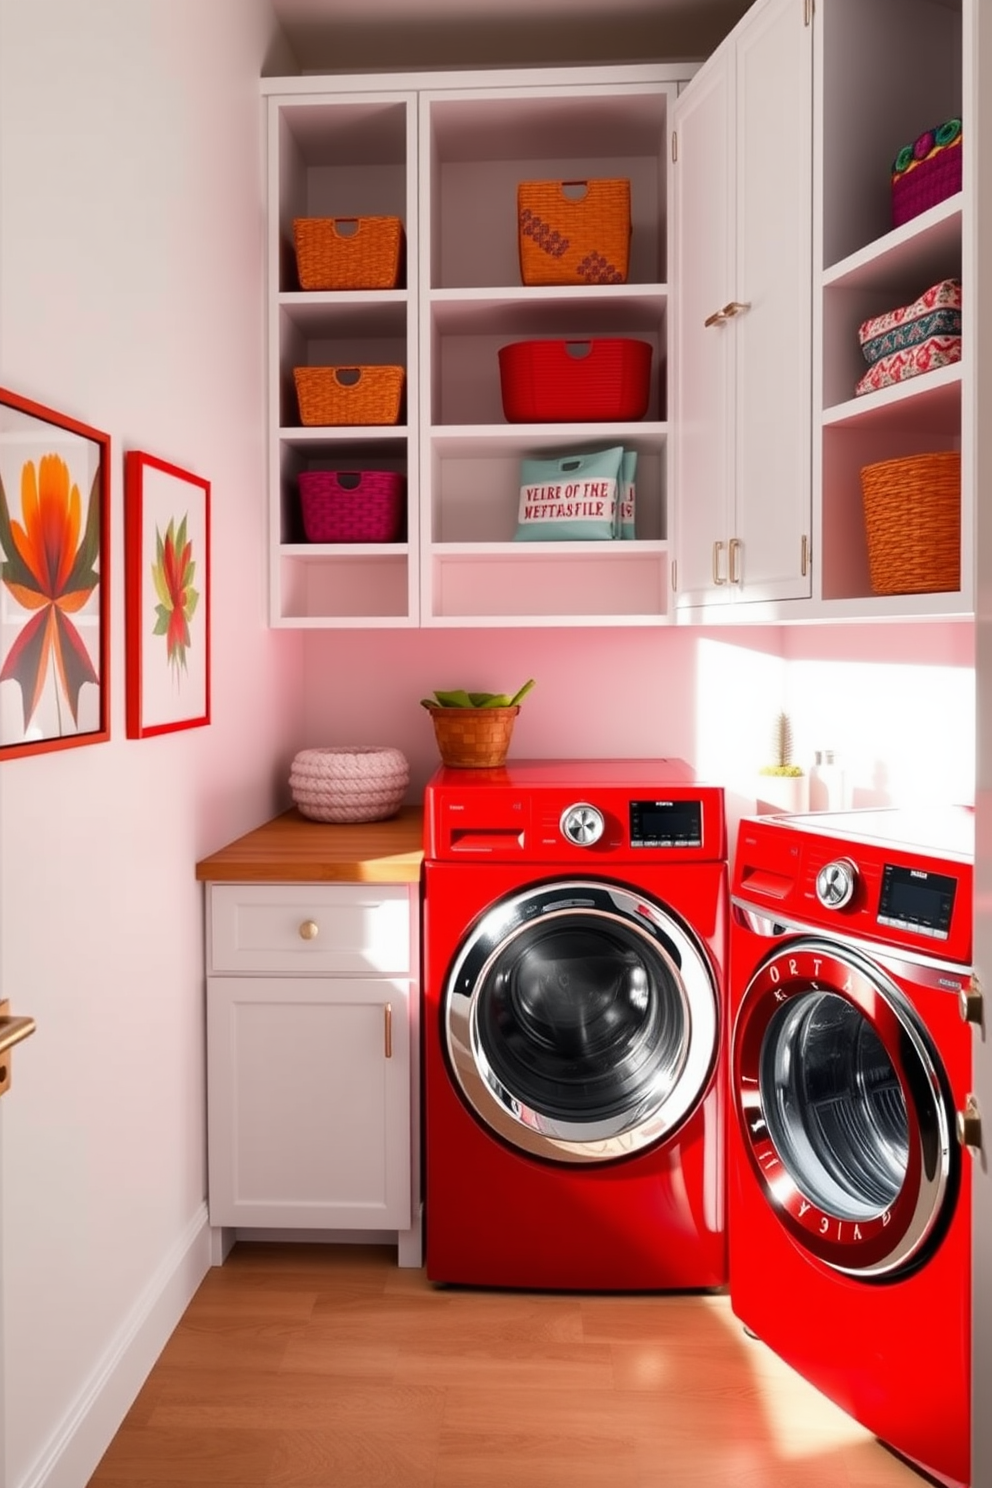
point(581, 1020)
point(844, 1108)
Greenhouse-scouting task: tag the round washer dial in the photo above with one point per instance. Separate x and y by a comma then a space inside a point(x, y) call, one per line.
point(835, 883)
point(582, 824)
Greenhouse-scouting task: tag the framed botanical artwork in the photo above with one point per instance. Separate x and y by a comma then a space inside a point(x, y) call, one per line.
point(54, 581)
point(166, 596)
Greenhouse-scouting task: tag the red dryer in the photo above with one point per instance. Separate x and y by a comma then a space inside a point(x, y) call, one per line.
point(850, 1071)
point(574, 950)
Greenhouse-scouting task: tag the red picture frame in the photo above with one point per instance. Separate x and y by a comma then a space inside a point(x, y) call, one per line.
point(54, 580)
point(166, 596)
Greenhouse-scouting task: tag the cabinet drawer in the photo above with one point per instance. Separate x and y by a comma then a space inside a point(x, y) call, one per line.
point(310, 929)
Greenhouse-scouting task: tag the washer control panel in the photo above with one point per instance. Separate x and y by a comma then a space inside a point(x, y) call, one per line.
point(666, 823)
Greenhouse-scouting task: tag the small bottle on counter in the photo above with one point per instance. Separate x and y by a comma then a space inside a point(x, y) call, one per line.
point(826, 782)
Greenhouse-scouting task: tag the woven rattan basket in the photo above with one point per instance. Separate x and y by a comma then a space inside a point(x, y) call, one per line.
point(364, 783)
point(573, 232)
point(348, 252)
point(913, 523)
point(349, 395)
point(473, 738)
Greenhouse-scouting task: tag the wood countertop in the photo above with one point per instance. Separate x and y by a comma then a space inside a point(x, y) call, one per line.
point(293, 849)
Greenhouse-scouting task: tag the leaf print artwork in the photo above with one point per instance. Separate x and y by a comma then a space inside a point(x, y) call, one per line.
point(50, 571)
point(172, 574)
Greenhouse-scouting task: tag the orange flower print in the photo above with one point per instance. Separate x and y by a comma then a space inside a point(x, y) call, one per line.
point(48, 570)
point(172, 573)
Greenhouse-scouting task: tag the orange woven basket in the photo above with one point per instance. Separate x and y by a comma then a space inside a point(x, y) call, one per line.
point(349, 395)
point(348, 252)
point(574, 232)
point(913, 523)
point(473, 738)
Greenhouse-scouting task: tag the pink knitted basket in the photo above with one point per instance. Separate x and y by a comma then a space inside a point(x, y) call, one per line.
point(347, 506)
point(363, 783)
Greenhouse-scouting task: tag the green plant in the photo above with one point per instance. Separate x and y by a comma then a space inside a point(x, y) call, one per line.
point(782, 749)
point(459, 698)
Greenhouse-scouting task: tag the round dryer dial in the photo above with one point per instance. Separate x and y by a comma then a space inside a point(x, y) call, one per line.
point(835, 883)
point(582, 824)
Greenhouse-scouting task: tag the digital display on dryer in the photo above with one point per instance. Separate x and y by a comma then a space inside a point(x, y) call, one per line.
point(915, 900)
point(666, 823)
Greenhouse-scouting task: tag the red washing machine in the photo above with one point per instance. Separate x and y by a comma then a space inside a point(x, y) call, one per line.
point(574, 953)
point(851, 1063)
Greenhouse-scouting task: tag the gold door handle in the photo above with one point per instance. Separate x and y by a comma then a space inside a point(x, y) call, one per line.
point(717, 550)
point(734, 307)
point(735, 566)
point(388, 1029)
point(12, 1031)
point(717, 318)
point(309, 930)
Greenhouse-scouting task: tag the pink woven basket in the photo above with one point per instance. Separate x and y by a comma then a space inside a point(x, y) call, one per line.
point(359, 783)
point(352, 506)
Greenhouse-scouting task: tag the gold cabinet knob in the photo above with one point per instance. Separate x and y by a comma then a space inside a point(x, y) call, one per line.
point(969, 1125)
point(309, 930)
point(970, 1002)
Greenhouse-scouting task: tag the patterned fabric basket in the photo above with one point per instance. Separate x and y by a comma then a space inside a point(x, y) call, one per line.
point(913, 523)
point(348, 252)
point(935, 351)
point(473, 738)
point(573, 232)
point(352, 506)
point(349, 395)
point(364, 783)
point(937, 312)
point(575, 381)
point(927, 171)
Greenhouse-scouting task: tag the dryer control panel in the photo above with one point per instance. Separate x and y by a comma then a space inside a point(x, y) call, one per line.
point(912, 894)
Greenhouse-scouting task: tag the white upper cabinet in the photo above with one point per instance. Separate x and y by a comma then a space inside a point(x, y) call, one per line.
point(447, 152)
point(742, 304)
point(888, 73)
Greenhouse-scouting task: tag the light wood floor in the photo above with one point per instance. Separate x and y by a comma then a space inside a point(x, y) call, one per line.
point(329, 1367)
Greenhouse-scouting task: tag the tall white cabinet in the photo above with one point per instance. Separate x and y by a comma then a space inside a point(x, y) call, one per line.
point(446, 151)
point(741, 351)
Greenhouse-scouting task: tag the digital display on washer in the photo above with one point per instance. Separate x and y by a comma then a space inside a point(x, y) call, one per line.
point(666, 823)
point(914, 900)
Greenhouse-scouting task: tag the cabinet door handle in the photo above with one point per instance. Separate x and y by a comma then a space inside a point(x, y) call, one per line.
point(12, 1031)
point(309, 930)
point(388, 1029)
point(717, 318)
point(734, 307)
point(804, 555)
point(717, 550)
point(735, 554)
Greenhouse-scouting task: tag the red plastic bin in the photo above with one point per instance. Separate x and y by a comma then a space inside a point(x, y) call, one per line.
point(352, 506)
point(575, 381)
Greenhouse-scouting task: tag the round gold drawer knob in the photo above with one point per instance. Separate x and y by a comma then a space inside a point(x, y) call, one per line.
point(309, 930)
point(969, 1125)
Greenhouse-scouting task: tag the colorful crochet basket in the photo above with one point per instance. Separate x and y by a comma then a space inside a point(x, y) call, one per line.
point(343, 784)
point(926, 171)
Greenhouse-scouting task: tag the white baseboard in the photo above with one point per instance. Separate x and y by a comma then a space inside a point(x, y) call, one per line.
point(71, 1454)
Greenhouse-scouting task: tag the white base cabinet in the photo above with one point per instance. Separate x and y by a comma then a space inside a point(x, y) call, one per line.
point(312, 1017)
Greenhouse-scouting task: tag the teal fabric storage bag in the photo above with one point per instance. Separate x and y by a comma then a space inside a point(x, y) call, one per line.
point(570, 497)
point(628, 495)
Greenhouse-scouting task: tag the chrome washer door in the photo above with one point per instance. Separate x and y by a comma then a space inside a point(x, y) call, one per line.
point(581, 1020)
point(844, 1108)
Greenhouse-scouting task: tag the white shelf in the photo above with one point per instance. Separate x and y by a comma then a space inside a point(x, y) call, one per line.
point(928, 404)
